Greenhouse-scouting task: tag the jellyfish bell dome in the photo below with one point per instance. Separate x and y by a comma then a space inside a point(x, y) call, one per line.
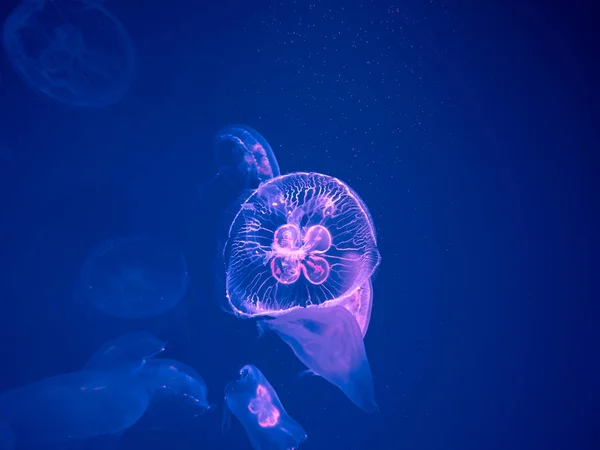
point(300, 239)
point(75, 51)
point(133, 277)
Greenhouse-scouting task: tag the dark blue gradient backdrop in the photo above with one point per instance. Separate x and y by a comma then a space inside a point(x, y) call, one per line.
point(468, 128)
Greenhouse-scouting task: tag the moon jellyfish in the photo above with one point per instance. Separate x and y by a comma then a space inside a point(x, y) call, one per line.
point(242, 150)
point(133, 277)
point(300, 239)
point(75, 51)
point(329, 342)
point(129, 351)
point(177, 393)
point(73, 406)
point(256, 405)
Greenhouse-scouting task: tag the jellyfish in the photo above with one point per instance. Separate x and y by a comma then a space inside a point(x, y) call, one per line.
point(240, 149)
point(178, 393)
point(75, 51)
point(73, 406)
point(256, 405)
point(359, 303)
point(329, 342)
point(135, 277)
point(128, 352)
point(299, 239)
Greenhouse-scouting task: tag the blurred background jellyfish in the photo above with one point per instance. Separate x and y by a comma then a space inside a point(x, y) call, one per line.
point(241, 151)
point(243, 160)
point(74, 51)
point(298, 240)
point(128, 352)
point(178, 394)
point(73, 406)
point(256, 405)
point(135, 277)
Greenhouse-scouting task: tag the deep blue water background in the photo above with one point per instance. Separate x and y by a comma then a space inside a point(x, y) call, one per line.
point(465, 127)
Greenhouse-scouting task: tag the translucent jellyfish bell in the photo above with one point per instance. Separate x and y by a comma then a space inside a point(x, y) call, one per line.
point(256, 405)
point(128, 352)
point(329, 342)
point(75, 51)
point(72, 406)
point(300, 239)
point(178, 393)
point(133, 277)
point(243, 150)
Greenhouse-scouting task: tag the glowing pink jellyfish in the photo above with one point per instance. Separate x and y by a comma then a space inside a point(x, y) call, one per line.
point(300, 239)
point(256, 405)
point(329, 342)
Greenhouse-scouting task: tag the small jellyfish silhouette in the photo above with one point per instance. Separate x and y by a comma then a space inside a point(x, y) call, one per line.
point(178, 393)
point(75, 51)
point(135, 277)
point(241, 150)
point(127, 352)
point(329, 342)
point(73, 406)
point(300, 239)
point(256, 405)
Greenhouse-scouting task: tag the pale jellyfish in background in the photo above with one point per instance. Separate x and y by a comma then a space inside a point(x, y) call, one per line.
point(241, 150)
point(76, 52)
point(73, 406)
point(256, 405)
point(133, 277)
point(178, 393)
point(128, 351)
point(329, 342)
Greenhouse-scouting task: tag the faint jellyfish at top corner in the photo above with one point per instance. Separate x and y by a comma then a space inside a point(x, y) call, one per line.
point(329, 342)
point(300, 239)
point(254, 402)
point(75, 51)
point(135, 277)
point(244, 158)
